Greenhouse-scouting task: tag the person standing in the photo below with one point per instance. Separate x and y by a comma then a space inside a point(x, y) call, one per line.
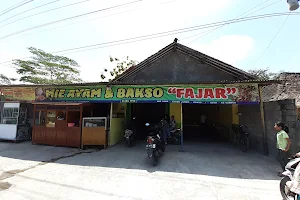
point(173, 124)
point(203, 119)
point(283, 144)
point(166, 127)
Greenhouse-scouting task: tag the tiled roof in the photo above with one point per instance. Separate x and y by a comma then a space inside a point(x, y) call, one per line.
point(288, 89)
point(239, 74)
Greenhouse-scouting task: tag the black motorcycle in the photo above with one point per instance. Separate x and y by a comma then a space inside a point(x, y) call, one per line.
point(155, 147)
point(288, 175)
point(175, 137)
point(130, 131)
point(129, 137)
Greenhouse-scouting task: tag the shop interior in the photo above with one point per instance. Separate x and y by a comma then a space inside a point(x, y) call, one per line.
point(207, 122)
point(150, 113)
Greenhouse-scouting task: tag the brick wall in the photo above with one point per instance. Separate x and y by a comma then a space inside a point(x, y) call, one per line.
point(250, 116)
point(284, 111)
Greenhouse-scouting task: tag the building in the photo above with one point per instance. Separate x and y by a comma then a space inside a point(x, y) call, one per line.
point(282, 103)
point(176, 80)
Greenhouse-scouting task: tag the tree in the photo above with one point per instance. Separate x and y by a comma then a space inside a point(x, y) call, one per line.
point(46, 68)
point(121, 66)
point(264, 74)
point(5, 80)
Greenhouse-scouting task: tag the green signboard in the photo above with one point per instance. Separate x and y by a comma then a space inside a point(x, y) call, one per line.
point(245, 93)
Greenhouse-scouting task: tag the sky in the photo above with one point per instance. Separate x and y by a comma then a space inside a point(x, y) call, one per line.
point(246, 45)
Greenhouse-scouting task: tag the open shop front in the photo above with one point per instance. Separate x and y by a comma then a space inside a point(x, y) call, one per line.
point(144, 113)
point(212, 111)
point(209, 122)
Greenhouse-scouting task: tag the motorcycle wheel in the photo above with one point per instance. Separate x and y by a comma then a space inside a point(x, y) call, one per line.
point(163, 148)
point(160, 151)
point(244, 144)
point(176, 140)
point(284, 190)
point(154, 160)
point(129, 143)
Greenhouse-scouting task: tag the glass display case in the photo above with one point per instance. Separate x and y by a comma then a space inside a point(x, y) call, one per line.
point(95, 122)
point(94, 131)
point(14, 123)
point(10, 115)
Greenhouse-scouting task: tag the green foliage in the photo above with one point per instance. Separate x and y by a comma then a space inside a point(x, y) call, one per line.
point(5, 80)
point(45, 68)
point(121, 66)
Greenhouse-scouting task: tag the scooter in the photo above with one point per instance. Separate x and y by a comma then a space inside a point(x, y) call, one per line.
point(130, 131)
point(129, 137)
point(155, 147)
point(175, 137)
point(288, 175)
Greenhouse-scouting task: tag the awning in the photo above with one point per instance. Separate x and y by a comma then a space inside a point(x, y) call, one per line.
point(58, 103)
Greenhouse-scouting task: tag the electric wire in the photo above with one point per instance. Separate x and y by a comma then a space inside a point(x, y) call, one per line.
point(15, 7)
point(82, 21)
point(272, 40)
point(224, 25)
point(50, 10)
point(68, 18)
point(172, 32)
point(29, 10)
point(212, 30)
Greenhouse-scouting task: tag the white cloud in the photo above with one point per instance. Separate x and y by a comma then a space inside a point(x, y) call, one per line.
point(229, 49)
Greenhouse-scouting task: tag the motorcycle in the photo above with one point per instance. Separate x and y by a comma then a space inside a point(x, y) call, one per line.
point(129, 137)
point(288, 175)
point(241, 137)
point(244, 138)
point(130, 131)
point(175, 137)
point(155, 147)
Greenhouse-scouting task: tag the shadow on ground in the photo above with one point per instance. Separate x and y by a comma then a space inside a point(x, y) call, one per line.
point(212, 159)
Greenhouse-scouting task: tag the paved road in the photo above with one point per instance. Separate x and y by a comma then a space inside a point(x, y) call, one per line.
point(204, 171)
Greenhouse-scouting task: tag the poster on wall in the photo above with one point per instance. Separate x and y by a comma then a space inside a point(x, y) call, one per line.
point(18, 93)
point(246, 93)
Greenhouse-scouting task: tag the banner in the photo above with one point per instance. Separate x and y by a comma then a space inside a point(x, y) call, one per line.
point(18, 93)
point(245, 93)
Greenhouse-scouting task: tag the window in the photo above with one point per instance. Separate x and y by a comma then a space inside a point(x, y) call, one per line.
point(10, 116)
point(74, 118)
point(40, 118)
point(51, 117)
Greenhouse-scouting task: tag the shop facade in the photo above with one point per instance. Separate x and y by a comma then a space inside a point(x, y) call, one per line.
point(177, 81)
point(75, 116)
